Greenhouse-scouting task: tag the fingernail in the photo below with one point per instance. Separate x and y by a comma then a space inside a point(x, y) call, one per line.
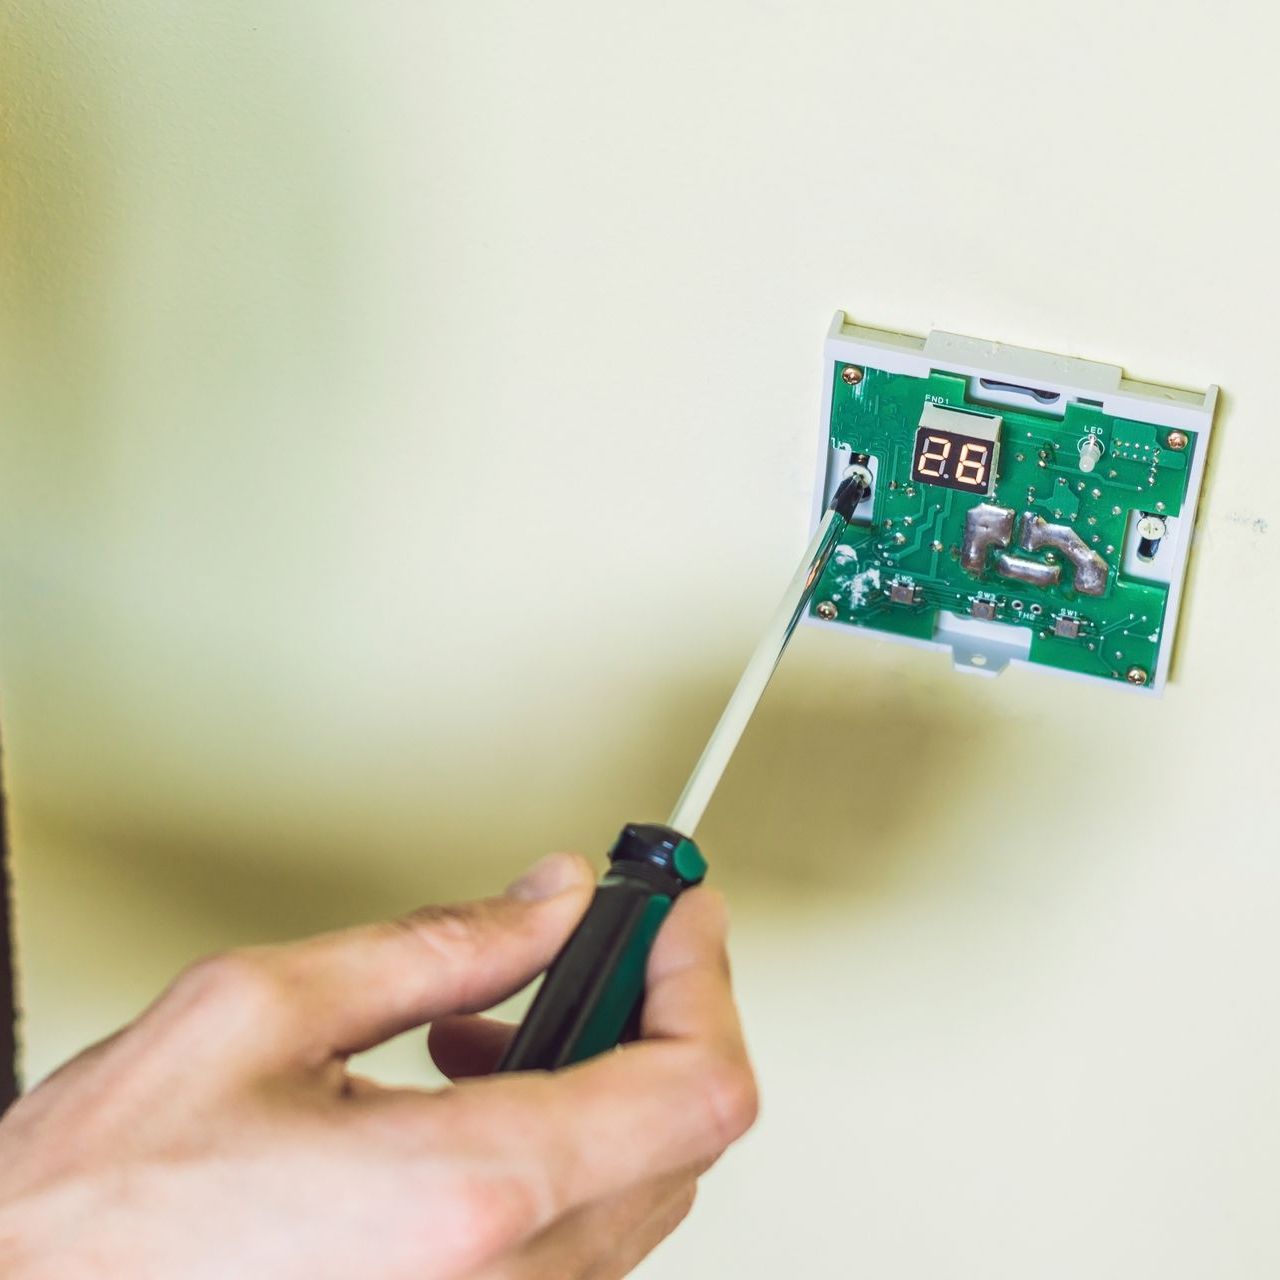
point(546, 878)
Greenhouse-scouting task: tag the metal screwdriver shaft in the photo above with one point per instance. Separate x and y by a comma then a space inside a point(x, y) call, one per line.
point(755, 679)
point(733, 722)
point(591, 997)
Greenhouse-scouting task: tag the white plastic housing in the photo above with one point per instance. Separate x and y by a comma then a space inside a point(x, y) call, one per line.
point(986, 648)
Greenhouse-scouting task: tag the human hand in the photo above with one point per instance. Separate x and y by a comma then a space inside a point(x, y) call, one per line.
point(222, 1135)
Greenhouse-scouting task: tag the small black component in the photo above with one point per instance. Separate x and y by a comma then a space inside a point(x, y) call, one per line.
point(1151, 531)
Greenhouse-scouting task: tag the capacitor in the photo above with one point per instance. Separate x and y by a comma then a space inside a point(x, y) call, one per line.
point(1090, 453)
point(1151, 530)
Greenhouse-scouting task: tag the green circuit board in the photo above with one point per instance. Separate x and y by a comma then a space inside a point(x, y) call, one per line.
point(1007, 516)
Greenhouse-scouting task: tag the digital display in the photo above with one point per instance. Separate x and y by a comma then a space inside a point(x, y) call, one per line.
point(953, 460)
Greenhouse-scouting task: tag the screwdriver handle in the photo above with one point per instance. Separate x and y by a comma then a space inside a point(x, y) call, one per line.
point(590, 999)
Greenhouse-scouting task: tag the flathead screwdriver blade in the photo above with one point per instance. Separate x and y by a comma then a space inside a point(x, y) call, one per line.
point(768, 653)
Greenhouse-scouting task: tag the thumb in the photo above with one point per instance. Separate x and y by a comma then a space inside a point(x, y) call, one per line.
point(358, 987)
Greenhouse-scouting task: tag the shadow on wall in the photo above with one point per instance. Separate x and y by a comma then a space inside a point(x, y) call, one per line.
point(837, 795)
point(169, 252)
point(126, 188)
point(855, 786)
point(53, 196)
point(842, 786)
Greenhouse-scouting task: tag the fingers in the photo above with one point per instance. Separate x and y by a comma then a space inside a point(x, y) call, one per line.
point(463, 1046)
point(686, 1091)
point(565, 1139)
point(368, 984)
point(689, 993)
point(689, 990)
point(343, 992)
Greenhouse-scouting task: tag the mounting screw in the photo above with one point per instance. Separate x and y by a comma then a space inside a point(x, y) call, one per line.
point(1175, 439)
point(852, 375)
point(1136, 675)
point(827, 611)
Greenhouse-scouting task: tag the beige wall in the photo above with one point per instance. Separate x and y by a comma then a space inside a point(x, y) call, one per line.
point(408, 416)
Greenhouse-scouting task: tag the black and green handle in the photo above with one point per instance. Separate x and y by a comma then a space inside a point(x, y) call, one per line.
point(591, 997)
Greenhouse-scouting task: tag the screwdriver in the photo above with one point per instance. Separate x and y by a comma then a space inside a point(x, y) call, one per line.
point(591, 997)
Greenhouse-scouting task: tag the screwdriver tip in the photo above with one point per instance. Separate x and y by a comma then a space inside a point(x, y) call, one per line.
point(853, 488)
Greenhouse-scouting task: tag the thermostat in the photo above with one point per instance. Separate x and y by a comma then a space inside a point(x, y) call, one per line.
point(1025, 507)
